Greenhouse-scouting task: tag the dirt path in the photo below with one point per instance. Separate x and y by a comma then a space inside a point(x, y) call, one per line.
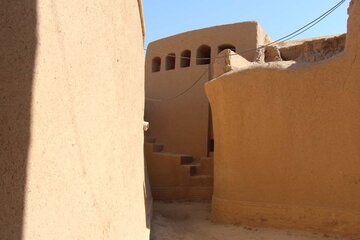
point(190, 221)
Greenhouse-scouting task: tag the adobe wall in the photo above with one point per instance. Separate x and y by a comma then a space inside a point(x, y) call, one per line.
point(71, 130)
point(312, 50)
point(181, 124)
point(287, 142)
point(181, 129)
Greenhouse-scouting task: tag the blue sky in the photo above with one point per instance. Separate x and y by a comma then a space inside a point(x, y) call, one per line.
point(278, 17)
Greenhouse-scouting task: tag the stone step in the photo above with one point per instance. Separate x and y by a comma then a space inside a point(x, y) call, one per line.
point(184, 158)
point(193, 168)
point(201, 181)
point(155, 147)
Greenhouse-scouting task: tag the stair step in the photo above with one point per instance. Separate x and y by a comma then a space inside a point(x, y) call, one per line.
point(201, 180)
point(155, 147)
point(184, 159)
point(149, 139)
point(158, 147)
point(193, 164)
point(193, 168)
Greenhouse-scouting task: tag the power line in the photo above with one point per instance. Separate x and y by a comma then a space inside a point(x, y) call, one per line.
point(300, 30)
point(306, 27)
point(180, 94)
point(318, 21)
point(312, 23)
point(285, 38)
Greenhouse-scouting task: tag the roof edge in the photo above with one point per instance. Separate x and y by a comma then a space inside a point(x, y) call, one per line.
point(141, 17)
point(206, 28)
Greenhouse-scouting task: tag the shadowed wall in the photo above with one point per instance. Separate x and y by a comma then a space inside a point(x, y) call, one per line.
point(17, 56)
point(82, 100)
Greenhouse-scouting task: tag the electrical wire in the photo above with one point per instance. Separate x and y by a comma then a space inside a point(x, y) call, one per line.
point(180, 94)
point(285, 38)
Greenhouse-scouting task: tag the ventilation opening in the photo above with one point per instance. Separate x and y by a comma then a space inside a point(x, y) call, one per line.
point(226, 46)
point(185, 59)
point(170, 61)
point(203, 55)
point(156, 64)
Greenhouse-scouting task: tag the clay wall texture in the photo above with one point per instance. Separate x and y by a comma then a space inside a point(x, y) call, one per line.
point(71, 120)
point(178, 150)
point(182, 124)
point(312, 50)
point(287, 141)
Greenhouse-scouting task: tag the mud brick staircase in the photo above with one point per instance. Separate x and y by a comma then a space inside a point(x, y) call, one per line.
point(177, 176)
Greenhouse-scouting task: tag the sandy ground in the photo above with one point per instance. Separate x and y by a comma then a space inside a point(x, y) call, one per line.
point(190, 221)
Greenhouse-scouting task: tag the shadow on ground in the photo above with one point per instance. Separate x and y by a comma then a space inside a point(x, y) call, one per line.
point(191, 221)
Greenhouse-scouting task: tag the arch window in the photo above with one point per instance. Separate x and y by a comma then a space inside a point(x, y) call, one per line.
point(203, 55)
point(170, 61)
point(226, 46)
point(185, 59)
point(156, 64)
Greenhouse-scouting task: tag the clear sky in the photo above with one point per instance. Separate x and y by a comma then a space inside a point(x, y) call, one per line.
point(278, 17)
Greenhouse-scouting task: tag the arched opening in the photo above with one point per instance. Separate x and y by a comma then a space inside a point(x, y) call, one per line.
point(156, 64)
point(226, 46)
point(185, 59)
point(170, 61)
point(203, 55)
